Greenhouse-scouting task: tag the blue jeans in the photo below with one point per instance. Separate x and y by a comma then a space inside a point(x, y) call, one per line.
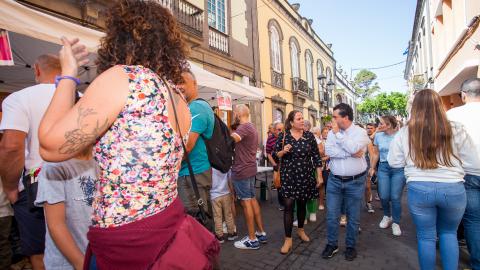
point(351, 194)
point(93, 263)
point(437, 208)
point(390, 188)
point(471, 219)
point(245, 188)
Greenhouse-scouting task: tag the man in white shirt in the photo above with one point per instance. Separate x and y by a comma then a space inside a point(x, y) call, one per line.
point(468, 115)
point(19, 150)
point(346, 146)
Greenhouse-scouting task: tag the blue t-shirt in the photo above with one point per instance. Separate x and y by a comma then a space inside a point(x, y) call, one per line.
point(382, 141)
point(202, 124)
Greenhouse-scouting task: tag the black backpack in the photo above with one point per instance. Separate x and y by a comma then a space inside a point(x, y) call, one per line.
point(220, 147)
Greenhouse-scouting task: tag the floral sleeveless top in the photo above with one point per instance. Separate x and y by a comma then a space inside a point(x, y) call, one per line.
point(139, 155)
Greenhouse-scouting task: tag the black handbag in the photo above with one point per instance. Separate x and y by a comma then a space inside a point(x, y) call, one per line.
point(202, 216)
point(30, 182)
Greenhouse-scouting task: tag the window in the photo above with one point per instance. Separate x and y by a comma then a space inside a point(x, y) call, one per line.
point(278, 116)
point(275, 49)
point(294, 58)
point(319, 73)
point(309, 68)
point(328, 74)
point(339, 99)
point(216, 15)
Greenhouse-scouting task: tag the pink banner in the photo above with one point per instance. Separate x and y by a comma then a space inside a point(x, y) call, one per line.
point(6, 57)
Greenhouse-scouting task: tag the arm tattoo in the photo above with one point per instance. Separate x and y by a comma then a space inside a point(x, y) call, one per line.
point(84, 135)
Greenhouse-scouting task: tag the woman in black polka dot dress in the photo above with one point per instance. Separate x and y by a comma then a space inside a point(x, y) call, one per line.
point(300, 158)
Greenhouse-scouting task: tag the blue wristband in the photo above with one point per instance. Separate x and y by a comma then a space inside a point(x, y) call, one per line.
point(59, 78)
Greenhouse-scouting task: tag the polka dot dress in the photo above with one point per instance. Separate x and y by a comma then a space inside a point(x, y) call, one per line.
point(297, 169)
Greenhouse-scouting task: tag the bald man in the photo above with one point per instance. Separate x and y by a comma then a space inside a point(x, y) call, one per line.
point(468, 116)
point(19, 151)
point(244, 170)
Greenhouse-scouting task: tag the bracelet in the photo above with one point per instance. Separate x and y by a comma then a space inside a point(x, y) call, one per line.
point(59, 78)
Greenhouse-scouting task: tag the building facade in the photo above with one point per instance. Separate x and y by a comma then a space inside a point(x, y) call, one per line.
point(221, 34)
point(297, 69)
point(345, 93)
point(444, 49)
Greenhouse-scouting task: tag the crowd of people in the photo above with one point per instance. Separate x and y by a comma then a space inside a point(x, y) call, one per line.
point(123, 177)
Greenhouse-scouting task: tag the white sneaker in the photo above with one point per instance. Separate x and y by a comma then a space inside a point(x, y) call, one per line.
point(295, 223)
point(386, 222)
point(246, 243)
point(224, 227)
point(396, 229)
point(313, 217)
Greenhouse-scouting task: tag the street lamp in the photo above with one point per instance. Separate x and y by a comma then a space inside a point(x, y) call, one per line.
point(321, 78)
point(330, 85)
point(321, 81)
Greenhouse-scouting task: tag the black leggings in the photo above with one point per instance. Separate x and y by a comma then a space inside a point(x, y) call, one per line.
point(288, 214)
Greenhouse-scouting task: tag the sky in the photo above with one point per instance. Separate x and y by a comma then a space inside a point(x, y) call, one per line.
point(365, 34)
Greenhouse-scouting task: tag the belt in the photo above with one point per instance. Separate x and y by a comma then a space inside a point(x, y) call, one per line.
point(349, 178)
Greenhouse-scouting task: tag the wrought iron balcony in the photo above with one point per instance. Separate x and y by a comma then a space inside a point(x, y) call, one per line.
point(189, 17)
point(218, 41)
point(300, 86)
point(277, 79)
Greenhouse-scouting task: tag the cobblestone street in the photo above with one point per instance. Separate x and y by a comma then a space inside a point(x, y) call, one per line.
point(377, 248)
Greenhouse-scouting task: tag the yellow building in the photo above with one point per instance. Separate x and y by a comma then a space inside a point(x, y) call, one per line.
point(297, 69)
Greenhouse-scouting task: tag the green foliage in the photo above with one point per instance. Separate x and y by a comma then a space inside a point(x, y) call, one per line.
point(394, 103)
point(326, 119)
point(365, 84)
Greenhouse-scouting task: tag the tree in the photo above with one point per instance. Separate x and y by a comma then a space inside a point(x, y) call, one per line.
point(364, 83)
point(394, 104)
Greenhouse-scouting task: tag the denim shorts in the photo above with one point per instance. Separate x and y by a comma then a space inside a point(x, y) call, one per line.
point(245, 188)
point(31, 225)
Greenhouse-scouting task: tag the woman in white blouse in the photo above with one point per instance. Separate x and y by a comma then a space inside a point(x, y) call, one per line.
point(433, 151)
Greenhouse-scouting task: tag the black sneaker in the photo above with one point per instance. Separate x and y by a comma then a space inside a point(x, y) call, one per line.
point(350, 254)
point(232, 236)
point(329, 251)
point(220, 239)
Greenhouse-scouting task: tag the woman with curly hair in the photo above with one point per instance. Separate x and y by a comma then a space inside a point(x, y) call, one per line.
point(130, 113)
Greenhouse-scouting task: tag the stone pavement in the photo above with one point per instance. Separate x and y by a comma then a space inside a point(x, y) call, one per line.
point(377, 248)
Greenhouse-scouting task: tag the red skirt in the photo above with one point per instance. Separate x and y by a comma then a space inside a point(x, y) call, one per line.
point(167, 240)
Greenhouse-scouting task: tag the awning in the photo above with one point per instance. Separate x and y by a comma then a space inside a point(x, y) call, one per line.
point(34, 33)
point(209, 83)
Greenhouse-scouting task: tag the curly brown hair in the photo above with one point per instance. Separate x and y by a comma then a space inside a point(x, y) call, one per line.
point(143, 32)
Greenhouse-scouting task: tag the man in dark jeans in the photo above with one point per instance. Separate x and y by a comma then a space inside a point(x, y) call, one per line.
point(467, 115)
point(271, 141)
point(202, 127)
point(346, 146)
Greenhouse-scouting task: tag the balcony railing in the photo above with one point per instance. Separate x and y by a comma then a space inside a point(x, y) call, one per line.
point(300, 86)
point(188, 16)
point(277, 79)
point(218, 41)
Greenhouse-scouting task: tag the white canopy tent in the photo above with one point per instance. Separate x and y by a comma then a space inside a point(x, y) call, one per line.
point(33, 33)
